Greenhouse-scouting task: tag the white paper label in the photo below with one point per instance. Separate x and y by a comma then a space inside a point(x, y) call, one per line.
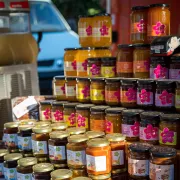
point(10, 140)
point(10, 173)
point(24, 176)
point(57, 152)
point(59, 90)
point(39, 147)
point(24, 143)
point(70, 91)
point(117, 157)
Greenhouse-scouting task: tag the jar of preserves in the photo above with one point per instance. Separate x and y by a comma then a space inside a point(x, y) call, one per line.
point(64, 174)
point(100, 177)
point(3, 152)
point(98, 156)
point(124, 63)
point(103, 52)
point(76, 130)
point(131, 123)
point(139, 18)
point(45, 110)
point(97, 118)
point(108, 67)
point(79, 172)
point(102, 30)
point(141, 60)
point(95, 134)
point(97, 90)
point(83, 115)
point(174, 68)
point(158, 21)
point(177, 96)
point(113, 120)
point(94, 67)
point(76, 151)
point(59, 126)
point(81, 178)
point(112, 91)
point(70, 68)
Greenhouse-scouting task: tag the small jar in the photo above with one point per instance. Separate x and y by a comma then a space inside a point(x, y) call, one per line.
point(76, 131)
point(177, 96)
point(45, 110)
point(83, 90)
point(100, 177)
point(128, 93)
point(141, 60)
point(124, 63)
point(64, 174)
point(117, 143)
point(112, 91)
point(24, 168)
point(174, 68)
point(97, 118)
point(97, 90)
point(79, 172)
point(131, 123)
point(83, 115)
point(95, 134)
point(42, 171)
point(98, 156)
point(113, 120)
point(103, 52)
point(81, 178)
point(3, 152)
point(94, 67)
point(108, 67)
point(59, 126)
point(149, 127)
point(76, 151)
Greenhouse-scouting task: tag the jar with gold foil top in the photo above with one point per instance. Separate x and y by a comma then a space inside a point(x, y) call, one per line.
point(61, 174)
point(101, 177)
point(81, 178)
point(27, 122)
point(43, 123)
point(45, 110)
point(103, 52)
point(59, 126)
point(76, 130)
point(3, 152)
point(95, 134)
point(94, 67)
point(79, 172)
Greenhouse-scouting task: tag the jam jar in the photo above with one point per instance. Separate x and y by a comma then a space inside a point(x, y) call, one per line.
point(83, 90)
point(177, 96)
point(95, 134)
point(103, 52)
point(24, 168)
point(42, 171)
point(128, 92)
point(100, 177)
point(174, 67)
point(94, 67)
point(59, 126)
point(45, 110)
point(162, 163)
point(76, 151)
point(76, 130)
point(81, 178)
point(64, 174)
point(124, 63)
point(79, 172)
point(83, 115)
point(97, 90)
point(113, 120)
point(112, 91)
point(131, 123)
point(3, 152)
point(108, 67)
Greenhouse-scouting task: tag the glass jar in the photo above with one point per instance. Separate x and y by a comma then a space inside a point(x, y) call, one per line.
point(76, 151)
point(81, 178)
point(94, 67)
point(83, 115)
point(45, 110)
point(124, 63)
point(64, 174)
point(174, 68)
point(102, 30)
point(139, 24)
point(100, 177)
point(97, 90)
point(158, 21)
point(79, 172)
point(3, 152)
point(113, 120)
point(141, 60)
point(76, 131)
point(162, 163)
point(149, 127)
point(83, 90)
point(95, 134)
point(98, 156)
point(42, 171)
point(70, 68)
point(112, 91)
point(59, 126)
point(177, 97)
point(108, 67)
point(103, 52)
point(131, 123)
point(97, 118)
point(128, 92)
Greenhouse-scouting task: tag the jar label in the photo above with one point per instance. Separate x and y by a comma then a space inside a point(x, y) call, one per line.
point(83, 93)
point(149, 133)
point(82, 121)
point(94, 71)
point(108, 71)
point(70, 91)
point(97, 95)
point(59, 90)
point(21, 176)
point(39, 147)
point(82, 66)
point(1, 169)
point(139, 27)
point(141, 66)
point(45, 115)
point(159, 72)
point(10, 173)
point(174, 73)
point(96, 163)
point(57, 152)
point(10, 140)
point(70, 65)
point(109, 127)
point(24, 143)
point(167, 137)
point(144, 97)
point(104, 31)
point(85, 32)
point(97, 125)
point(70, 119)
point(131, 130)
point(177, 101)
point(159, 29)
point(57, 116)
point(76, 157)
point(112, 96)
point(138, 167)
point(117, 157)
point(129, 96)
point(165, 172)
point(124, 67)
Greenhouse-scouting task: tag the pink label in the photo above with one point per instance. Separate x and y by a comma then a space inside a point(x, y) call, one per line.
point(149, 133)
point(174, 74)
point(131, 130)
point(46, 115)
point(159, 29)
point(57, 116)
point(144, 97)
point(95, 70)
point(82, 66)
point(89, 30)
point(131, 94)
point(159, 72)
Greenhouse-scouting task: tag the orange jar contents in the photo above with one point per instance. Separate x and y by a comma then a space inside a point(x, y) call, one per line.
point(103, 52)
point(76, 131)
point(61, 174)
point(141, 60)
point(70, 68)
point(98, 156)
point(100, 177)
point(139, 17)
point(94, 67)
point(45, 110)
point(59, 126)
point(102, 30)
point(95, 134)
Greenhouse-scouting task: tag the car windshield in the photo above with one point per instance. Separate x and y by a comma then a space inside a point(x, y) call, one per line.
point(45, 17)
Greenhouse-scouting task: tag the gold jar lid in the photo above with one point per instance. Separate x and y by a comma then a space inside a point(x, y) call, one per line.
point(58, 134)
point(43, 167)
point(98, 142)
point(100, 177)
point(115, 137)
point(3, 152)
point(27, 122)
point(42, 129)
point(76, 131)
point(77, 138)
point(28, 161)
point(13, 157)
point(11, 125)
point(61, 174)
point(118, 171)
point(43, 123)
point(59, 126)
point(25, 127)
point(81, 178)
point(94, 134)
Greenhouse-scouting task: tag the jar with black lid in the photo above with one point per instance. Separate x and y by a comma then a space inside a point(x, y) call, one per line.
point(94, 67)
point(45, 110)
point(174, 70)
point(3, 152)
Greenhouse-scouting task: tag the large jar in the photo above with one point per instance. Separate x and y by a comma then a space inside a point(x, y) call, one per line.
point(95, 134)
point(141, 60)
point(3, 152)
point(61, 174)
point(45, 110)
point(158, 21)
point(62, 126)
point(124, 63)
point(174, 69)
point(103, 52)
point(177, 96)
point(139, 18)
point(94, 67)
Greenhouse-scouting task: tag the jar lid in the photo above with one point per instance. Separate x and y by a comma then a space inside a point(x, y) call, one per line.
point(108, 59)
point(165, 82)
point(170, 117)
point(140, 147)
point(84, 106)
point(94, 59)
point(102, 48)
point(94, 134)
point(125, 46)
point(132, 112)
point(43, 123)
point(115, 137)
point(117, 171)
point(46, 102)
point(29, 161)
point(59, 126)
point(77, 138)
point(71, 105)
point(59, 103)
point(59, 134)
point(11, 125)
point(86, 48)
point(25, 127)
point(3, 152)
point(97, 79)
point(150, 115)
point(59, 78)
point(110, 80)
point(81, 178)
point(70, 49)
point(129, 80)
point(145, 81)
point(43, 167)
point(139, 8)
point(13, 157)
point(141, 45)
point(159, 5)
point(42, 129)
point(61, 174)
point(102, 14)
point(27, 122)
point(73, 78)
point(115, 110)
point(82, 79)
point(59, 166)
point(99, 108)
point(76, 130)
point(100, 177)
point(98, 142)
point(163, 151)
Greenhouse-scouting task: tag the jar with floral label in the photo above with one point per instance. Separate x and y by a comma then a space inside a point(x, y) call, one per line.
point(174, 69)
point(117, 143)
point(97, 90)
point(45, 110)
point(79, 172)
point(83, 115)
point(103, 52)
point(131, 123)
point(94, 67)
point(10, 165)
point(138, 160)
point(61, 174)
point(113, 120)
point(98, 156)
point(162, 163)
point(95, 134)
point(59, 126)
point(3, 152)
point(177, 96)
point(76, 130)
point(76, 151)
point(100, 177)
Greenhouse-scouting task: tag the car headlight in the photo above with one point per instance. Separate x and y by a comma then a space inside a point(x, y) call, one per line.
point(60, 62)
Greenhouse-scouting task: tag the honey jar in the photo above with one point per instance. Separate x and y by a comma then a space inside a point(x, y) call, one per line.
point(103, 52)
point(45, 110)
point(94, 67)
